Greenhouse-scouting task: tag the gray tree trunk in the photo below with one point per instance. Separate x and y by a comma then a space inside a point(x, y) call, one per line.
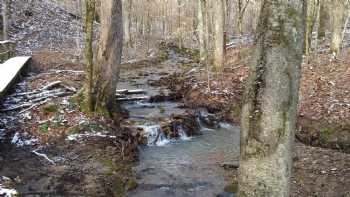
point(203, 30)
point(219, 28)
point(270, 102)
point(126, 21)
point(5, 19)
point(89, 101)
point(337, 21)
point(105, 70)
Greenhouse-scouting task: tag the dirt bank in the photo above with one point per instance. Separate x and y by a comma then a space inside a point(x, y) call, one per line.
point(324, 109)
point(53, 148)
point(323, 115)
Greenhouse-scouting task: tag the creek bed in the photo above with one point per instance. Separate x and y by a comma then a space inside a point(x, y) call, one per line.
point(186, 166)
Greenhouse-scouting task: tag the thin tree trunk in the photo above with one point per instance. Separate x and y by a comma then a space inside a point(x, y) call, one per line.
point(310, 18)
point(324, 18)
point(202, 30)
point(219, 29)
point(89, 56)
point(337, 22)
point(317, 24)
point(346, 24)
point(5, 19)
point(270, 102)
point(179, 26)
point(126, 24)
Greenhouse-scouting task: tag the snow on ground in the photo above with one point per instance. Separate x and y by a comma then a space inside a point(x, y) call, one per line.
point(5, 191)
point(78, 137)
point(18, 141)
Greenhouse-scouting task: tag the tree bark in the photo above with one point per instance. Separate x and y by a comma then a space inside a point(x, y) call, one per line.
point(270, 102)
point(337, 22)
point(317, 25)
point(242, 6)
point(219, 29)
point(310, 21)
point(5, 19)
point(324, 19)
point(126, 21)
point(103, 75)
point(202, 31)
point(89, 56)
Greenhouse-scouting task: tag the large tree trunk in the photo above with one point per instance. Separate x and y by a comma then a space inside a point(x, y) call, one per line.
point(337, 22)
point(219, 17)
point(105, 70)
point(203, 30)
point(270, 102)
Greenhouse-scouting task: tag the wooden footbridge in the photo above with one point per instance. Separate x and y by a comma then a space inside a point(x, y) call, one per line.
point(10, 71)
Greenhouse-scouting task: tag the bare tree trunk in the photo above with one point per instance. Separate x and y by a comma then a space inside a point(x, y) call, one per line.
point(5, 19)
point(242, 6)
point(337, 22)
point(219, 29)
point(317, 24)
point(346, 23)
point(126, 22)
point(202, 30)
point(270, 102)
point(179, 27)
point(324, 18)
point(89, 56)
point(105, 70)
point(310, 19)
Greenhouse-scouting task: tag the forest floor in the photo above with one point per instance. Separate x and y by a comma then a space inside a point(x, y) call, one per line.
point(53, 148)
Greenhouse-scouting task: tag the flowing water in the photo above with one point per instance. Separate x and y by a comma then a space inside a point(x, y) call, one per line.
point(188, 166)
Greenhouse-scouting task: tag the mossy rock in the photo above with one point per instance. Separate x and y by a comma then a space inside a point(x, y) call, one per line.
point(50, 108)
point(324, 134)
point(131, 184)
point(231, 188)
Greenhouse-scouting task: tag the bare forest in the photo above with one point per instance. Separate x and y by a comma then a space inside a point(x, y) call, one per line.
point(175, 98)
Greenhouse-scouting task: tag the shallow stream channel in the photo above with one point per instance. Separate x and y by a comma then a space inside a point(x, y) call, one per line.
point(185, 165)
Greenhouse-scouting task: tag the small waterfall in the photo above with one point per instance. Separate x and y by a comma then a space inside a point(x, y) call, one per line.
point(183, 135)
point(155, 135)
point(201, 125)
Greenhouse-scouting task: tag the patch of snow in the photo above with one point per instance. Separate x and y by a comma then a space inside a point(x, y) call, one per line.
point(44, 156)
point(77, 137)
point(16, 140)
point(4, 191)
point(27, 115)
point(7, 192)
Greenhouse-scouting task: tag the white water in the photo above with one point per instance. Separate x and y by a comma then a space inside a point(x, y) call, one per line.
point(155, 135)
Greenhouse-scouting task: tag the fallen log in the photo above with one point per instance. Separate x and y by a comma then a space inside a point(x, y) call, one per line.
point(126, 91)
point(51, 85)
point(140, 98)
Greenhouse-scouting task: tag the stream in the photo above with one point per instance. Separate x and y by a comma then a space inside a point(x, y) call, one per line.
point(187, 166)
